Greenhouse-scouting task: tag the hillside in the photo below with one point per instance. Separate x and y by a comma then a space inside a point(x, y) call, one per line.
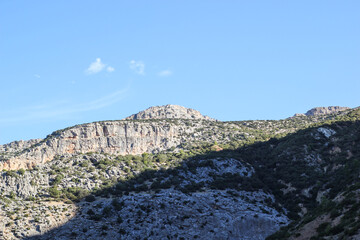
point(182, 178)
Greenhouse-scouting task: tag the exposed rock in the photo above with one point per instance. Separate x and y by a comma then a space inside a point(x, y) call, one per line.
point(169, 112)
point(156, 129)
point(116, 137)
point(326, 131)
point(18, 145)
point(325, 110)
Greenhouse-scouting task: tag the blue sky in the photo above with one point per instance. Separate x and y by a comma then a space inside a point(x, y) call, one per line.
point(70, 62)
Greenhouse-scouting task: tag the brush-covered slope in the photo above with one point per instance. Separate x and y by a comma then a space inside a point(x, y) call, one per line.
point(318, 174)
point(223, 180)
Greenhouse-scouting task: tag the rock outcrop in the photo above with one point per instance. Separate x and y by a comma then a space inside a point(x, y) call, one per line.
point(114, 137)
point(18, 145)
point(325, 110)
point(169, 112)
point(117, 137)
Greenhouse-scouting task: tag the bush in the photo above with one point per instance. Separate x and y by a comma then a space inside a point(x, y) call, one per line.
point(54, 192)
point(21, 171)
point(90, 198)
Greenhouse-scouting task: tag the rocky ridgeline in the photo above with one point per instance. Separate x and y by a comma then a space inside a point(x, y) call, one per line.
point(113, 137)
point(325, 110)
point(317, 111)
point(169, 112)
point(18, 145)
point(170, 127)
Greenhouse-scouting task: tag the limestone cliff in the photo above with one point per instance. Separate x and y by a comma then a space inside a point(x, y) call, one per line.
point(115, 137)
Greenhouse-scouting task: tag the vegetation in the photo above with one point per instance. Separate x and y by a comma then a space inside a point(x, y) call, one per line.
point(310, 175)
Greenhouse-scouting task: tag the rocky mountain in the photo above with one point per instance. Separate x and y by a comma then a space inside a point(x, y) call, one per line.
point(186, 178)
point(169, 112)
point(123, 137)
point(323, 111)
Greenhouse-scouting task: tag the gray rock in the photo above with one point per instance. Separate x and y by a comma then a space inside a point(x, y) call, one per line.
point(169, 112)
point(325, 110)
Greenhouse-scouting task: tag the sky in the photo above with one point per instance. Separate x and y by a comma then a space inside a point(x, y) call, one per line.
point(70, 62)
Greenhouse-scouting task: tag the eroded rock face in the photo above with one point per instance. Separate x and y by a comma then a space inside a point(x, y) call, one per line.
point(113, 137)
point(18, 145)
point(169, 112)
point(325, 110)
point(116, 137)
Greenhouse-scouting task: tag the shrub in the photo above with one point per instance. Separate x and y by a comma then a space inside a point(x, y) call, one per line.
point(21, 171)
point(90, 198)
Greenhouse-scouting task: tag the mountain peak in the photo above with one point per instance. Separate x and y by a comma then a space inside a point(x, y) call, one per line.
point(325, 110)
point(169, 112)
point(316, 111)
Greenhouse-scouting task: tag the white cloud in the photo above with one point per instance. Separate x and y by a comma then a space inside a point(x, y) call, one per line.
point(98, 66)
point(95, 67)
point(110, 69)
point(37, 75)
point(138, 67)
point(165, 73)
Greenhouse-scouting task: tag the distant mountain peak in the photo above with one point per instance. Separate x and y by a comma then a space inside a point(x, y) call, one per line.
point(325, 110)
point(322, 111)
point(169, 112)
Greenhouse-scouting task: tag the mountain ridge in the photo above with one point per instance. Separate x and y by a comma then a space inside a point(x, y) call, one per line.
point(295, 178)
point(168, 111)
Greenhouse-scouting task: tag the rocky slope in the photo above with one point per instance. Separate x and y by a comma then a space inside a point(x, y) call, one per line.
point(185, 179)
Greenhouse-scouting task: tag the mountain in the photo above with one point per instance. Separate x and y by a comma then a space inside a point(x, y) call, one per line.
point(169, 112)
point(186, 176)
point(323, 111)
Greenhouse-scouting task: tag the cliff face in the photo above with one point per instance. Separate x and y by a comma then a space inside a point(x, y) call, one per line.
point(118, 137)
point(169, 112)
point(151, 131)
point(113, 137)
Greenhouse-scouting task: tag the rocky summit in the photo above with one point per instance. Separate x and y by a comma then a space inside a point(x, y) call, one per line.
point(168, 112)
point(323, 111)
point(171, 173)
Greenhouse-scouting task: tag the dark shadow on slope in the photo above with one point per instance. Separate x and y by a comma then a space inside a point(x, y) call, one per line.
point(284, 167)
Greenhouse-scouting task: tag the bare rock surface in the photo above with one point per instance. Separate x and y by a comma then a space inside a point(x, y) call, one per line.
point(325, 110)
point(113, 137)
point(169, 112)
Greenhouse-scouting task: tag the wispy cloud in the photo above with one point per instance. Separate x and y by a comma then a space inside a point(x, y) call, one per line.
point(138, 67)
point(37, 75)
point(165, 73)
point(110, 69)
point(60, 109)
point(98, 66)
